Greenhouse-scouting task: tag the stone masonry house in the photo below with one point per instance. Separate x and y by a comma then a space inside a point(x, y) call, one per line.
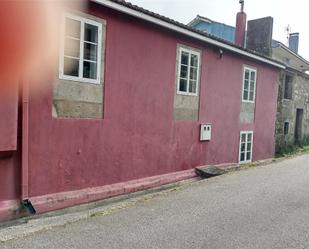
point(292, 127)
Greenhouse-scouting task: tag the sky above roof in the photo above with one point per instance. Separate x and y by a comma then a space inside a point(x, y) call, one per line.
point(293, 13)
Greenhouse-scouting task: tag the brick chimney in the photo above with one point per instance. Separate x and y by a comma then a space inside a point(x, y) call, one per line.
point(293, 42)
point(241, 21)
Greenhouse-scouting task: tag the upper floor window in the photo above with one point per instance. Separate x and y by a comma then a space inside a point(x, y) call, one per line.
point(249, 85)
point(188, 71)
point(288, 86)
point(80, 57)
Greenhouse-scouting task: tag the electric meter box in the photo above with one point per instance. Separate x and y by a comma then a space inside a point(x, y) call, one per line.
point(205, 132)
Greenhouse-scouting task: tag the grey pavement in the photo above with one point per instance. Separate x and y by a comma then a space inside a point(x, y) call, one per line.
point(262, 207)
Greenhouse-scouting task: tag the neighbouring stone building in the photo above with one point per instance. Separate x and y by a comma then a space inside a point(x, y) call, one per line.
point(292, 127)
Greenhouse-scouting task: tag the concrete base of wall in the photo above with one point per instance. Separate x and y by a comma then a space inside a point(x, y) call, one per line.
point(11, 209)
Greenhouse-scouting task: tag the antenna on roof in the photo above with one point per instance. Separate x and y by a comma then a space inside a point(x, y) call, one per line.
point(242, 2)
point(287, 31)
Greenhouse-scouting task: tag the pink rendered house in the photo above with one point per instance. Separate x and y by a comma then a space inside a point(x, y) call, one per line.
point(135, 100)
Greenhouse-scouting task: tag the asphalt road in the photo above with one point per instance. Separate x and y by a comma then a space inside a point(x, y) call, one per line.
point(264, 207)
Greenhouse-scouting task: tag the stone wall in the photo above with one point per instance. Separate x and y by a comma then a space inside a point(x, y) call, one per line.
point(247, 111)
point(287, 109)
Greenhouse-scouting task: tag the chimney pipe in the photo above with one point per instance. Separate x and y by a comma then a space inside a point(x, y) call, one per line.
point(293, 42)
point(241, 21)
point(242, 3)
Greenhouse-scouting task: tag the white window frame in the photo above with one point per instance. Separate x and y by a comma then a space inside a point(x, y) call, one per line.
point(80, 78)
point(251, 69)
point(194, 52)
point(239, 157)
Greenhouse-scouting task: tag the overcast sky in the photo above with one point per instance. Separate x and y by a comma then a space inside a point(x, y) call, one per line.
point(293, 13)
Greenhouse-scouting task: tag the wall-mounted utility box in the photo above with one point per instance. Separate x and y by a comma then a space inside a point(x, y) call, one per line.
point(205, 134)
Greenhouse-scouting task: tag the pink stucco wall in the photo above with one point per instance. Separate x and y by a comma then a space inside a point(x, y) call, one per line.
point(9, 176)
point(9, 156)
point(138, 136)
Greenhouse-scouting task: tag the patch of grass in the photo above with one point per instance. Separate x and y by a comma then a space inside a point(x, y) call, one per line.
point(291, 150)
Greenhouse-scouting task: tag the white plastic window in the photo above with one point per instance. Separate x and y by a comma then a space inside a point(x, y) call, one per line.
point(80, 58)
point(188, 72)
point(249, 85)
point(245, 146)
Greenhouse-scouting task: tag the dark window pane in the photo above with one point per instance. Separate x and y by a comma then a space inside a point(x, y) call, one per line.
point(242, 157)
point(288, 87)
point(184, 72)
point(71, 47)
point(243, 147)
point(91, 33)
point(90, 51)
point(248, 156)
point(247, 75)
point(249, 139)
point(72, 28)
point(184, 58)
point(70, 67)
point(251, 95)
point(243, 138)
point(249, 147)
point(246, 85)
point(183, 85)
point(193, 73)
point(194, 60)
point(286, 128)
point(252, 85)
point(246, 95)
point(252, 75)
point(192, 86)
point(90, 70)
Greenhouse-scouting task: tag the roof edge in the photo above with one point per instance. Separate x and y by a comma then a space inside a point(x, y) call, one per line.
point(293, 53)
point(206, 19)
point(185, 31)
point(194, 21)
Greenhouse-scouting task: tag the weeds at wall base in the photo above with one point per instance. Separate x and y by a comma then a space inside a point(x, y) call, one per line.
point(291, 150)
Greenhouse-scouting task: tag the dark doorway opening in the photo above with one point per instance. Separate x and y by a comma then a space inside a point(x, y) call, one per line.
point(288, 87)
point(299, 125)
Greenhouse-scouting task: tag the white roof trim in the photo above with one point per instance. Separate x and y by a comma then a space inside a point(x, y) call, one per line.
point(162, 23)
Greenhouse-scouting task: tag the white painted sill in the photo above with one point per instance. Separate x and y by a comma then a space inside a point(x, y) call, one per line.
point(77, 79)
point(245, 162)
point(248, 101)
point(187, 94)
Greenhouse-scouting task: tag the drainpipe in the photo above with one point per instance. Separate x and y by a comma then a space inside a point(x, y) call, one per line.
point(25, 150)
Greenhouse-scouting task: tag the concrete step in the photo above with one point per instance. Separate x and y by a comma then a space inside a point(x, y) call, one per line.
point(209, 171)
